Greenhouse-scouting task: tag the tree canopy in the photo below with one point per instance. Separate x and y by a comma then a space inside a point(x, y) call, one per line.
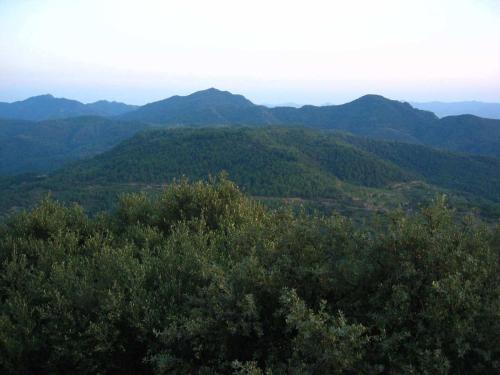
point(202, 279)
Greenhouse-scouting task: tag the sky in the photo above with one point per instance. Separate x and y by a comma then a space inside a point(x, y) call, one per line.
point(271, 51)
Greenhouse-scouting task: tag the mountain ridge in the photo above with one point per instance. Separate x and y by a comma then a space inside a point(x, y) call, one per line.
point(47, 107)
point(205, 107)
point(371, 116)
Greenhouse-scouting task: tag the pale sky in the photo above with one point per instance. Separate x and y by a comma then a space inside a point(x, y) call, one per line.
point(272, 51)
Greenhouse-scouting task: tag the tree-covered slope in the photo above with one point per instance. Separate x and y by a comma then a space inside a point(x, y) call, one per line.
point(47, 145)
point(369, 116)
point(40, 148)
point(337, 170)
point(466, 133)
point(276, 162)
point(296, 160)
point(463, 172)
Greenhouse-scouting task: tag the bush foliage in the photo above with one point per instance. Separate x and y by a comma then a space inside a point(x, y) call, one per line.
point(204, 280)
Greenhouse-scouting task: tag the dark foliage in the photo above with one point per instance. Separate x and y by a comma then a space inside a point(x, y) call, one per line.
point(201, 280)
point(332, 169)
point(283, 162)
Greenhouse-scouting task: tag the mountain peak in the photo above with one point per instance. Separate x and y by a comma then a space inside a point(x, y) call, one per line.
point(209, 106)
point(220, 95)
point(212, 90)
point(209, 92)
point(372, 98)
point(379, 101)
point(211, 97)
point(41, 97)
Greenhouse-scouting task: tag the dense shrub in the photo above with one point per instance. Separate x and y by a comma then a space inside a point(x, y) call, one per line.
point(203, 280)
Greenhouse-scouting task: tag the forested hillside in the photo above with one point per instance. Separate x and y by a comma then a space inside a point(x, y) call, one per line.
point(202, 280)
point(468, 134)
point(463, 172)
point(339, 170)
point(205, 232)
point(41, 147)
point(370, 116)
point(262, 158)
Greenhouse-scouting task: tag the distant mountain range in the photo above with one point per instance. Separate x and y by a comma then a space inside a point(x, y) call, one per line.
point(46, 107)
point(480, 109)
point(41, 147)
point(45, 146)
point(369, 154)
point(369, 116)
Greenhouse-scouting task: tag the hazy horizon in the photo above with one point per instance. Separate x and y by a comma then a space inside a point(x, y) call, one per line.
point(269, 104)
point(311, 52)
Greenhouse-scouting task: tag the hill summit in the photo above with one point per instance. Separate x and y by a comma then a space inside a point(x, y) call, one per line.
point(206, 107)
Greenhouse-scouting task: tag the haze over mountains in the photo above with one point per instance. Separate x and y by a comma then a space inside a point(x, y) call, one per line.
point(370, 116)
point(41, 147)
point(47, 145)
point(480, 109)
point(309, 152)
point(45, 107)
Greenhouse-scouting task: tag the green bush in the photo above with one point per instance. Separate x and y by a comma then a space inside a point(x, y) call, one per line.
point(203, 280)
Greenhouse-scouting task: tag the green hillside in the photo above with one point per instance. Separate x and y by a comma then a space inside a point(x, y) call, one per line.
point(466, 133)
point(41, 147)
point(283, 161)
point(369, 116)
point(463, 172)
point(276, 162)
point(332, 169)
